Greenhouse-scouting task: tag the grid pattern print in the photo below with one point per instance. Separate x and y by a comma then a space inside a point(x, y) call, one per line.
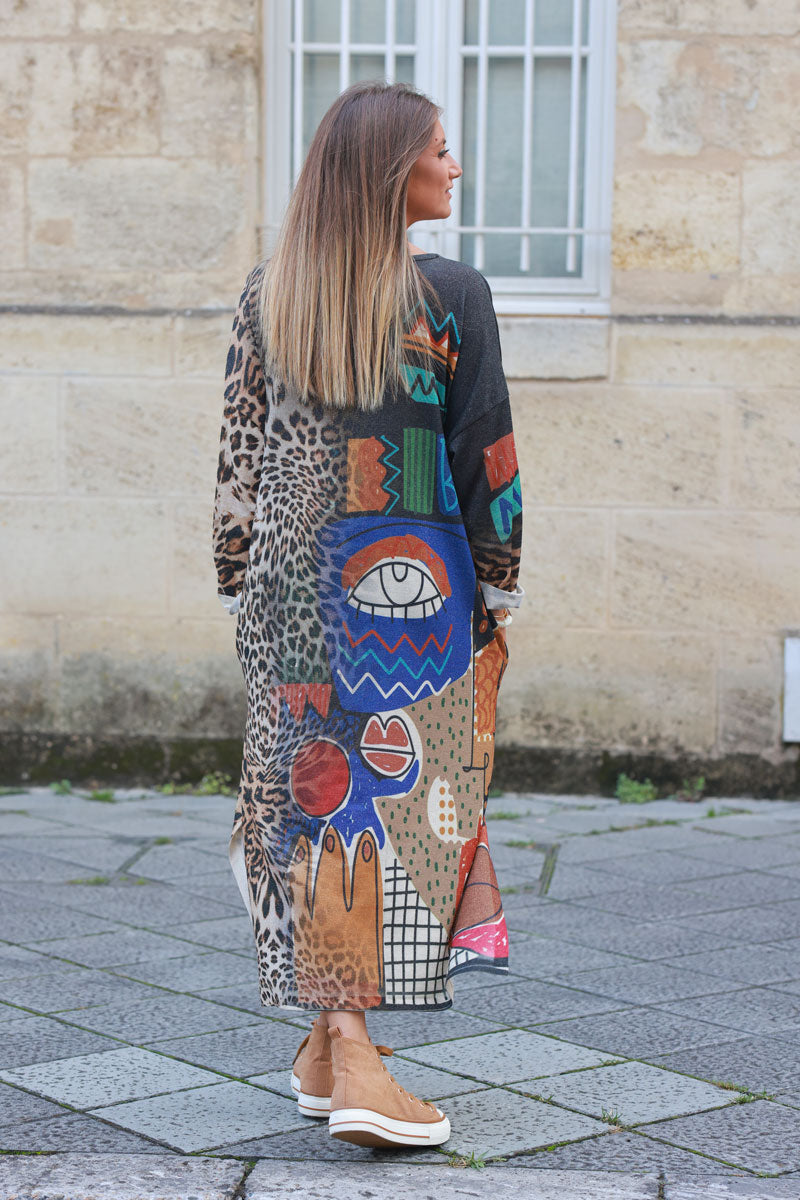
point(414, 944)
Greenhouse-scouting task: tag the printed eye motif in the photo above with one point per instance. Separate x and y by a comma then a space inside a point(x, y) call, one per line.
point(397, 587)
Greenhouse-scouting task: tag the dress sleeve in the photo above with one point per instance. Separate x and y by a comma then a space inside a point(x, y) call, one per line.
point(483, 459)
point(240, 452)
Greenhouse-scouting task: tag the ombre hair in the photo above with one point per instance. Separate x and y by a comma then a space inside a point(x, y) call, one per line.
point(340, 291)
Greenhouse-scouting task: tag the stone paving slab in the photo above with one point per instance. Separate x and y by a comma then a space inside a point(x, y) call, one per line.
point(68, 988)
point(505, 1057)
point(733, 1189)
point(180, 863)
point(29, 923)
point(204, 1117)
point(401, 1029)
point(663, 867)
point(750, 1010)
point(195, 972)
point(531, 1002)
point(88, 853)
point(42, 1039)
point(270, 1180)
point(574, 881)
point(120, 1177)
point(117, 947)
point(757, 1063)
point(625, 1150)
point(164, 1016)
point(16, 961)
point(150, 904)
point(640, 1032)
point(247, 1050)
point(747, 964)
point(586, 980)
point(648, 983)
point(745, 853)
point(653, 901)
point(76, 1132)
point(91, 1080)
point(225, 933)
point(634, 1091)
point(243, 995)
point(759, 1136)
point(17, 1106)
point(739, 890)
point(496, 1122)
point(544, 958)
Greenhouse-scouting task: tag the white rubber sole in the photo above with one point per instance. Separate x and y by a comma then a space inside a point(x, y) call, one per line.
point(368, 1128)
point(310, 1106)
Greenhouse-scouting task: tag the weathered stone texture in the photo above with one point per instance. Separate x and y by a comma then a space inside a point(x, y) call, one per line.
point(710, 94)
point(72, 98)
point(699, 354)
point(193, 580)
point(765, 448)
point(216, 119)
point(29, 18)
point(706, 571)
point(12, 216)
point(554, 347)
point(676, 220)
point(123, 438)
point(608, 690)
point(595, 444)
point(84, 556)
point(28, 672)
point(201, 343)
point(738, 17)
point(134, 677)
point(89, 345)
point(565, 574)
point(103, 213)
point(750, 694)
point(29, 459)
point(179, 17)
point(771, 217)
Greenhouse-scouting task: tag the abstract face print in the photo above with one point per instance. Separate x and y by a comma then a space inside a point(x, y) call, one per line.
point(396, 600)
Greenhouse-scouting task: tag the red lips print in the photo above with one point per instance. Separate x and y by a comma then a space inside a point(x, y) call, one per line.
point(386, 746)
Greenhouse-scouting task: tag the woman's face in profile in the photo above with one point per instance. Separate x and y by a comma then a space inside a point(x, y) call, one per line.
point(431, 181)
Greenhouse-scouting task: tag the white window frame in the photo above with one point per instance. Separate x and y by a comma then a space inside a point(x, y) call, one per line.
point(439, 55)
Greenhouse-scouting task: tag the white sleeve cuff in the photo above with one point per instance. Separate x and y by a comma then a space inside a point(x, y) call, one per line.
point(231, 604)
point(494, 597)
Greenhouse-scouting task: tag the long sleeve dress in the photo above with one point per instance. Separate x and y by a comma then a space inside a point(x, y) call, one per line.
point(363, 553)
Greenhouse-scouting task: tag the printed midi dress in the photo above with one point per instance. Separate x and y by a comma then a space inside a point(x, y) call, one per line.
point(363, 553)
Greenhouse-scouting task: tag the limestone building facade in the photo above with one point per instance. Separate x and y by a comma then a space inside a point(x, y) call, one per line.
point(658, 430)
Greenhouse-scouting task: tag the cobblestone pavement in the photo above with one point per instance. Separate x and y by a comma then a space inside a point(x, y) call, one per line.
point(649, 1030)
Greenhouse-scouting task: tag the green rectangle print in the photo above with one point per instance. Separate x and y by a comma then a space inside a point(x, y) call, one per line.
point(505, 507)
point(419, 469)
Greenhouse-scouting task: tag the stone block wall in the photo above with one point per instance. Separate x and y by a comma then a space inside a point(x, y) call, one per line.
point(659, 446)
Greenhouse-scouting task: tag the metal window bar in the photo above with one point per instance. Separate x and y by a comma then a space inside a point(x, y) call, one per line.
point(574, 131)
point(344, 45)
point(527, 135)
point(297, 97)
point(482, 104)
point(390, 59)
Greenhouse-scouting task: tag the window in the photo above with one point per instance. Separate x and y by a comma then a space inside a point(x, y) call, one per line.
point(527, 88)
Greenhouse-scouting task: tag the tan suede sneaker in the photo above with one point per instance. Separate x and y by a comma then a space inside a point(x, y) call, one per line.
point(312, 1073)
point(368, 1105)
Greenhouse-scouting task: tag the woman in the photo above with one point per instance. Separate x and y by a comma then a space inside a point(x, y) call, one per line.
point(367, 530)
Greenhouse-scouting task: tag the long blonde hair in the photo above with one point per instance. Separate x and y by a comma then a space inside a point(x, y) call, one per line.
point(337, 295)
